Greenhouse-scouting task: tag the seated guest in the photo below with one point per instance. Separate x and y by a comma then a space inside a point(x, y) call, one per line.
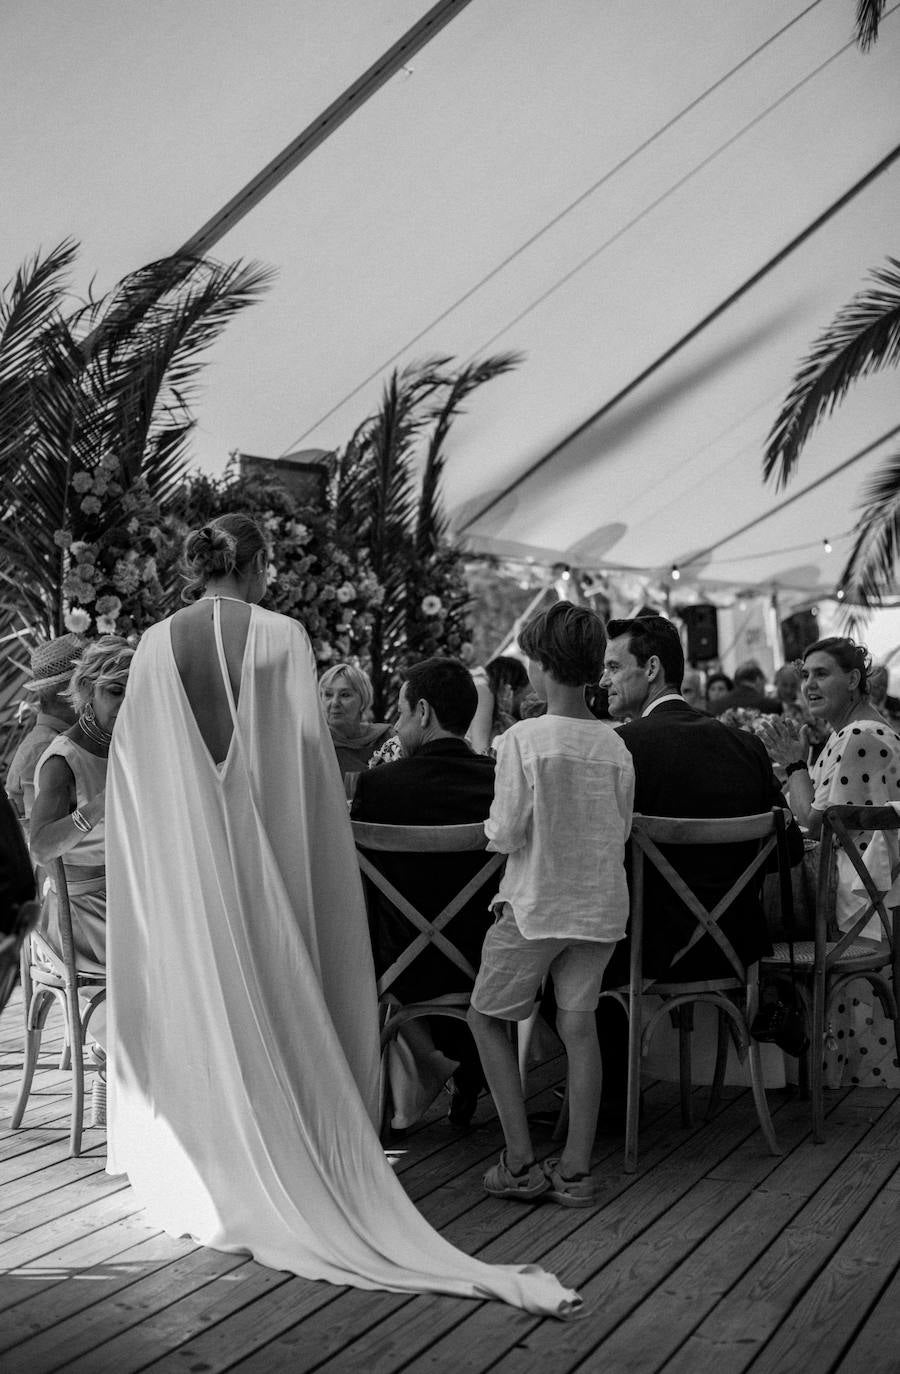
point(51, 669)
point(787, 690)
point(506, 683)
point(685, 764)
point(438, 781)
point(888, 706)
point(749, 692)
point(717, 685)
point(345, 692)
point(67, 820)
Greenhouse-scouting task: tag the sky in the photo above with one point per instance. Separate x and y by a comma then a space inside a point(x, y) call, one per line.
point(578, 181)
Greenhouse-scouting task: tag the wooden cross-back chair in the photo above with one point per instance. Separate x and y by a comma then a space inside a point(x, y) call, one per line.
point(425, 932)
point(48, 975)
point(824, 965)
point(734, 995)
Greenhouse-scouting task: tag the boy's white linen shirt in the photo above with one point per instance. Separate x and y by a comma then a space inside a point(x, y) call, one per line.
point(562, 808)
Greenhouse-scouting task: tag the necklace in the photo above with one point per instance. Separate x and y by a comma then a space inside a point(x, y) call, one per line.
point(91, 727)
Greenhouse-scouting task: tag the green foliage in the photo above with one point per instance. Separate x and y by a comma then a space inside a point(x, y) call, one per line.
point(376, 504)
point(864, 337)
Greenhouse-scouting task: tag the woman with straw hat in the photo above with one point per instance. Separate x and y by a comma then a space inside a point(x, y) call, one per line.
point(51, 668)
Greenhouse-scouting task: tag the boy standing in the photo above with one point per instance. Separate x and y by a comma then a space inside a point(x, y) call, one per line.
point(562, 812)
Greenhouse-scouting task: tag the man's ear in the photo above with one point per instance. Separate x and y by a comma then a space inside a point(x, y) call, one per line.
point(654, 668)
point(425, 709)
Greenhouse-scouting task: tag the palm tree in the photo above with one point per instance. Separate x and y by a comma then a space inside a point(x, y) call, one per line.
point(864, 337)
point(98, 392)
point(116, 376)
point(869, 14)
point(375, 494)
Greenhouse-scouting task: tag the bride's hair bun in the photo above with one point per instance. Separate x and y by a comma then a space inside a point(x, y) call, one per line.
point(217, 549)
point(210, 551)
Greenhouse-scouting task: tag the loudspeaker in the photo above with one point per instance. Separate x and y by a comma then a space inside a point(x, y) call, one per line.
point(702, 624)
point(798, 631)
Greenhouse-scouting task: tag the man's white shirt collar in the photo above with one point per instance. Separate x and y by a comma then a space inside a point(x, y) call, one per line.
point(669, 696)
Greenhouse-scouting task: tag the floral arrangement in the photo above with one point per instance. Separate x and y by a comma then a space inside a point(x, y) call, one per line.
point(111, 553)
point(438, 604)
point(319, 577)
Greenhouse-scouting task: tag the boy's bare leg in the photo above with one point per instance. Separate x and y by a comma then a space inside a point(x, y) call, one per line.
point(578, 1032)
point(501, 1069)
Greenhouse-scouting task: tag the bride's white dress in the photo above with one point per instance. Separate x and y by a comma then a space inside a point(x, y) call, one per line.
point(243, 1030)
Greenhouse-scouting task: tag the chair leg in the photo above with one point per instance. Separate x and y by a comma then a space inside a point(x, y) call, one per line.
point(715, 1093)
point(36, 1010)
point(760, 1100)
point(633, 1098)
point(816, 1061)
point(76, 1049)
point(683, 1018)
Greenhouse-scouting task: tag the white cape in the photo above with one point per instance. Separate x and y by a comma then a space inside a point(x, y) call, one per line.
point(243, 1029)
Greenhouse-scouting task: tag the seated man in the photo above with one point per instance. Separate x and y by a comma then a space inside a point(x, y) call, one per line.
point(52, 665)
point(748, 692)
point(439, 780)
point(685, 764)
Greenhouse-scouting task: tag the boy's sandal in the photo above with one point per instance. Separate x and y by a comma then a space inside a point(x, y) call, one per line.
point(569, 1192)
point(499, 1181)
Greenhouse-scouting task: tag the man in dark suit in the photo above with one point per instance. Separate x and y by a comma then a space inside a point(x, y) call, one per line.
point(685, 764)
point(438, 781)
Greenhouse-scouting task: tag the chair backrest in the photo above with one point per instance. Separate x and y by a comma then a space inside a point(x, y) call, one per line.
point(841, 826)
point(60, 957)
point(649, 832)
point(424, 839)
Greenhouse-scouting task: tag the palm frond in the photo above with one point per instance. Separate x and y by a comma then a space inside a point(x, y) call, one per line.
point(431, 523)
point(869, 573)
point(863, 337)
point(869, 14)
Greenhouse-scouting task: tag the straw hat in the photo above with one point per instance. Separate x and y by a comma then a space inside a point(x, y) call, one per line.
point(52, 663)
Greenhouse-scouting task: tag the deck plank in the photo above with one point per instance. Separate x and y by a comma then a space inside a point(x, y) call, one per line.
point(713, 1257)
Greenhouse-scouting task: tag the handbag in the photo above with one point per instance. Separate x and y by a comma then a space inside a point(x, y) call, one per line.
point(781, 1019)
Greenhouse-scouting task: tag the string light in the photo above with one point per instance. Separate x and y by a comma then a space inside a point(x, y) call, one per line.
point(675, 573)
point(826, 544)
point(840, 593)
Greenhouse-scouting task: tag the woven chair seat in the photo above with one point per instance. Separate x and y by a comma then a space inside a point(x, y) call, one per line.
point(805, 953)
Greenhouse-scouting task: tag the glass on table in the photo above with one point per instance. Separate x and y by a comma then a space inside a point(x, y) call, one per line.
point(350, 781)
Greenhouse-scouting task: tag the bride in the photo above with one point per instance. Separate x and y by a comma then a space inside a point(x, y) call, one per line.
point(243, 1028)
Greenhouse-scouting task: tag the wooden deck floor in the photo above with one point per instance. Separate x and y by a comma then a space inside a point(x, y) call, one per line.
point(714, 1257)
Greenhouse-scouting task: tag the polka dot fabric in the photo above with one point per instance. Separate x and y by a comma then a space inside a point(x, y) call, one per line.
point(860, 766)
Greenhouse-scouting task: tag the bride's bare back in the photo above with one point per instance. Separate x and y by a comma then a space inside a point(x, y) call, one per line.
point(197, 661)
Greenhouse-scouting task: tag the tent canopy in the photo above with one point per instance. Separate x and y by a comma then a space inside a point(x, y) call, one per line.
point(660, 205)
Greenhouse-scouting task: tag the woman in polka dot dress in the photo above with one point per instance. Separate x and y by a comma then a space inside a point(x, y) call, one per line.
point(858, 766)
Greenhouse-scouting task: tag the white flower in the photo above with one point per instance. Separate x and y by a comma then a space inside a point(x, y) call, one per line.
point(77, 547)
point(150, 570)
point(108, 605)
point(82, 481)
point(106, 624)
point(346, 592)
point(299, 531)
point(109, 462)
point(324, 652)
point(91, 505)
point(432, 605)
point(77, 620)
point(133, 525)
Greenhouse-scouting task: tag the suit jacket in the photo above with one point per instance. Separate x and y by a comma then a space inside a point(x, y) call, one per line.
point(446, 783)
point(687, 764)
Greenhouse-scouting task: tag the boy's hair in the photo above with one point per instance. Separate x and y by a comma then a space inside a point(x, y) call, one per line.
point(447, 686)
point(568, 642)
point(653, 634)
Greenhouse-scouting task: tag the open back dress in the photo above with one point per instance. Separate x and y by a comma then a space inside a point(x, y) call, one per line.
point(243, 1030)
